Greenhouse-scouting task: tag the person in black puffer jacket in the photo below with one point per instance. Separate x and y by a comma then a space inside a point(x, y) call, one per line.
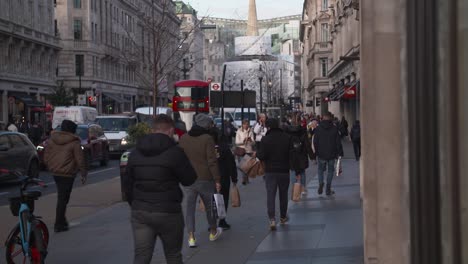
point(301, 151)
point(227, 169)
point(327, 143)
point(155, 169)
point(274, 151)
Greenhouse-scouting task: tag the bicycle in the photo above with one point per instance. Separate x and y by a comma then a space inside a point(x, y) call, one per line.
point(30, 237)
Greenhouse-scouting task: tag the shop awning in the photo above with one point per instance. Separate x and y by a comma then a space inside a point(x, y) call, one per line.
point(116, 98)
point(27, 99)
point(351, 91)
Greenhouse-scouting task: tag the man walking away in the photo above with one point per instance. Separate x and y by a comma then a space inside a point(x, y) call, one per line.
point(274, 151)
point(356, 139)
point(200, 149)
point(63, 157)
point(155, 169)
point(327, 143)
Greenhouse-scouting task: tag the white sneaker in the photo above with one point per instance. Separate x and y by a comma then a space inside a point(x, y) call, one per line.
point(214, 237)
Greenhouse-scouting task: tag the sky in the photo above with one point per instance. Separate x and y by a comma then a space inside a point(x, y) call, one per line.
point(238, 9)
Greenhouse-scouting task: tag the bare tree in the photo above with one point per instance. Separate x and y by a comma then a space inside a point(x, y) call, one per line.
point(154, 49)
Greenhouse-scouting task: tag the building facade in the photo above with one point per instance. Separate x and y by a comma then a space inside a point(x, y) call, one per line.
point(107, 51)
point(317, 53)
point(192, 36)
point(28, 59)
point(344, 71)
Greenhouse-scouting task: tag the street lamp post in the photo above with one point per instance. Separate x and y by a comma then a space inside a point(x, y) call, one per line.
point(186, 69)
point(260, 78)
point(270, 85)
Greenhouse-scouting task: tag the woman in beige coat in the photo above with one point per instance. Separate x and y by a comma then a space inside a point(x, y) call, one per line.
point(245, 140)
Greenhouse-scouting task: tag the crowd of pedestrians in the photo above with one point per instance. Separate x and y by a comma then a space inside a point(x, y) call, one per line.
point(206, 163)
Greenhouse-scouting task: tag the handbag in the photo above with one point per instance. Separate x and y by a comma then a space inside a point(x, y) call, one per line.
point(235, 197)
point(247, 164)
point(240, 152)
point(296, 195)
point(219, 204)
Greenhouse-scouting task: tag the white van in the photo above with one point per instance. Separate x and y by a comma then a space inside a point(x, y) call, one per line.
point(145, 114)
point(249, 113)
point(116, 131)
point(77, 114)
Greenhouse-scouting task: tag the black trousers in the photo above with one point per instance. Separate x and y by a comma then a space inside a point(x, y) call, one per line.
point(64, 189)
point(274, 182)
point(225, 189)
point(357, 148)
point(148, 226)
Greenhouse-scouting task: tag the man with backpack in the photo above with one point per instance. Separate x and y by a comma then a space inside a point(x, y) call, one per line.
point(327, 143)
point(299, 153)
point(356, 139)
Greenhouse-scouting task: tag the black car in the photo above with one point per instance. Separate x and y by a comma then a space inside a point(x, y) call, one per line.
point(17, 152)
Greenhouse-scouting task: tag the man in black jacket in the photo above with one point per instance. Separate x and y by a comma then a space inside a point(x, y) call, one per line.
point(274, 152)
point(327, 143)
point(155, 169)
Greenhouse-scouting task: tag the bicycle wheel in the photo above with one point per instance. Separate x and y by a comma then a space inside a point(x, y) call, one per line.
point(14, 249)
point(38, 244)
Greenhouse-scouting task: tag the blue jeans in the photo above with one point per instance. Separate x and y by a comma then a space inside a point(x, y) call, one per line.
point(328, 165)
point(292, 173)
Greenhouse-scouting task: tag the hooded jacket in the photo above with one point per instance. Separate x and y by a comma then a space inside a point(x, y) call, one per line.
point(274, 151)
point(199, 146)
point(155, 169)
point(327, 141)
point(63, 155)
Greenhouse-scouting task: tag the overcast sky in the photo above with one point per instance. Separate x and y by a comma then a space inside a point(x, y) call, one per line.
point(238, 9)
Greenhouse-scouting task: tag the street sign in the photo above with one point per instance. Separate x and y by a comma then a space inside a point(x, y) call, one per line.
point(82, 99)
point(215, 87)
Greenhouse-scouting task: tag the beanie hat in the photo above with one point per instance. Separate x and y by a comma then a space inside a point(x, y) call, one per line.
point(272, 123)
point(68, 126)
point(203, 120)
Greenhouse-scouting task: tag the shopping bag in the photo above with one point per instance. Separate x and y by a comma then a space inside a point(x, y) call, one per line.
point(338, 168)
point(201, 206)
point(219, 204)
point(296, 195)
point(247, 164)
point(235, 197)
point(261, 168)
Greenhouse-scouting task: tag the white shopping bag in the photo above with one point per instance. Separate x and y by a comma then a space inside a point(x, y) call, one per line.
point(219, 204)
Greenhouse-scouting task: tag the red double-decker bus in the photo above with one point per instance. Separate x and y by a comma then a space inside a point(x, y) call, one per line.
point(191, 97)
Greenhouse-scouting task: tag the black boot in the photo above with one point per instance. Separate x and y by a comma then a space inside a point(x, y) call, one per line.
point(329, 190)
point(224, 225)
point(320, 189)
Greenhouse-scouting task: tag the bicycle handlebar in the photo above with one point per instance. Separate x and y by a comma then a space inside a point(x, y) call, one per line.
point(25, 180)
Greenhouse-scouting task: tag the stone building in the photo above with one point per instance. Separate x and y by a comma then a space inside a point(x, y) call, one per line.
point(192, 34)
point(317, 53)
point(344, 72)
point(107, 50)
point(28, 58)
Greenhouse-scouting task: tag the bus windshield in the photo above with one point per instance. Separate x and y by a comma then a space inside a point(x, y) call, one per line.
point(193, 92)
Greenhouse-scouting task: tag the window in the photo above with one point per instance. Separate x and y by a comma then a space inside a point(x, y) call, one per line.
point(77, 3)
point(77, 29)
point(324, 67)
point(324, 5)
point(79, 65)
point(55, 27)
point(92, 31)
point(5, 142)
point(17, 141)
point(325, 31)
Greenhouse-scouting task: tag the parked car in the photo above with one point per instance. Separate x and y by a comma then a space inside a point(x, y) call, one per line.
point(93, 142)
point(18, 153)
point(116, 131)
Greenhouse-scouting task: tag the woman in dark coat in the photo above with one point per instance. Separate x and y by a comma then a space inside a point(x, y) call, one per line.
point(228, 170)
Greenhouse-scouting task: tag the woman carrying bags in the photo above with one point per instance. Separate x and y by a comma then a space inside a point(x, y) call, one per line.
point(244, 146)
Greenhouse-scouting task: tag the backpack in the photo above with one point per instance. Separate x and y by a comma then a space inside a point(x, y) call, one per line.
point(298, 159)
